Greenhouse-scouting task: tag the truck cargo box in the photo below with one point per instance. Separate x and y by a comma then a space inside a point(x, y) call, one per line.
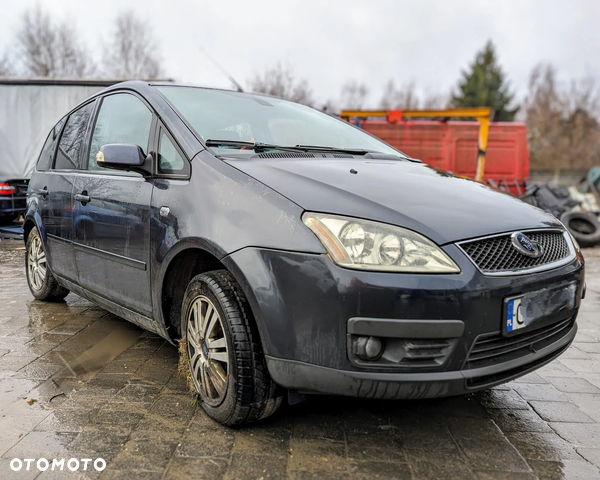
point(453, 146)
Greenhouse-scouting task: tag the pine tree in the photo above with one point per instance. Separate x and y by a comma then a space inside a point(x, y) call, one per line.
point(485, 86)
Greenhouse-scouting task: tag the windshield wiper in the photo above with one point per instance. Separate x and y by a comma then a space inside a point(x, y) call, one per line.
point(261, 147)
point(256, 146)
point(316, 148)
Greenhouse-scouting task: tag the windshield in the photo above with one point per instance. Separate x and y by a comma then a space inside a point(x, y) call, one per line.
point(242, 117)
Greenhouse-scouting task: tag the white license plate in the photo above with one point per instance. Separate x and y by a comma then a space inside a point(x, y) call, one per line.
point(539, 307)
point(514, 317)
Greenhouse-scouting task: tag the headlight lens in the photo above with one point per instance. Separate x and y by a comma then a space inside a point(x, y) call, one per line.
point(366, 245)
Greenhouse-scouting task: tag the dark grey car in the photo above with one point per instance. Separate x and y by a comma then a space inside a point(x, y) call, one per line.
point(292, 252)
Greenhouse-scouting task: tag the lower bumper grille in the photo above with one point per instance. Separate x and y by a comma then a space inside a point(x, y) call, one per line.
point(495, 378)
point(491, 349)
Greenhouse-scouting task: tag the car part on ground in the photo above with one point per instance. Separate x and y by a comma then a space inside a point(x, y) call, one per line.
point(12, 230)
point(41, 282)
point(586, 201)
point(555, 200)
point(224, 354)
point(584, 226)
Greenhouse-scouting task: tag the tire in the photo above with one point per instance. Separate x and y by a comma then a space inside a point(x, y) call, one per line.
point(585, 227)
point(230, 376)
point(40, 280)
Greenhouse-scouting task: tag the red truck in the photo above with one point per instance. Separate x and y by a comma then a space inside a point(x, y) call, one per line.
point(453, 146)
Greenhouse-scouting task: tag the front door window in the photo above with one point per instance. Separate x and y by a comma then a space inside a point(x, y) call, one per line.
point(123, 118)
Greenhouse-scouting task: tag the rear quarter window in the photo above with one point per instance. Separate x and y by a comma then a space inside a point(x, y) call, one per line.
point(47, 154)
point(68, 155)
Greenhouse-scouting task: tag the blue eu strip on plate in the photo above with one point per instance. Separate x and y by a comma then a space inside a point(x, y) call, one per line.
point(514, 320)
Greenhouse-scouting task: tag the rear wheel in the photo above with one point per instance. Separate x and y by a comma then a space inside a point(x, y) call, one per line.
point(224, 354)
point(40, 280)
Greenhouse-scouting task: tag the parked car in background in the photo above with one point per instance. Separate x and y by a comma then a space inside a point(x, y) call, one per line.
point(288, 250)
point(13, 194)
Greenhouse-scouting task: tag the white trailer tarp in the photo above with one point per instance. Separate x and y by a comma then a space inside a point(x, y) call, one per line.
point(27, 113)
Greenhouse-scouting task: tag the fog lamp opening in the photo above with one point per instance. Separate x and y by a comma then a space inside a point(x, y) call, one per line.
point(367, 348)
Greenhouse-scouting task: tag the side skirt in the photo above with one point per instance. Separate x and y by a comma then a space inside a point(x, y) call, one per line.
point(129, 315)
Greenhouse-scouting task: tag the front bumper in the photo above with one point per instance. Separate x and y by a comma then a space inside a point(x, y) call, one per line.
point(303, 303)
point(308, 378)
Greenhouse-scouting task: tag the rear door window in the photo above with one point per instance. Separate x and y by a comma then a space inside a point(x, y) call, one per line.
point(68, 155)
point(123, 118)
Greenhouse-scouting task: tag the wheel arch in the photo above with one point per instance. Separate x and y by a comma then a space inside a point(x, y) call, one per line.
point(188, 261)
point(34, 220)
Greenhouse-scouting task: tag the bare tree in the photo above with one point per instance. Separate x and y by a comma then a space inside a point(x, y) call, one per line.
point(544, 108)
point(132, 52)
point(50, 49)
point(435, 101)
point(280, 81)
point(354, 94)
point(407, 98)
point(6, 69)
point(562, 122)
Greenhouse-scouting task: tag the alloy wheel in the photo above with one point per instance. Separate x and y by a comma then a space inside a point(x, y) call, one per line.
point(207, 351)
point(36, 263)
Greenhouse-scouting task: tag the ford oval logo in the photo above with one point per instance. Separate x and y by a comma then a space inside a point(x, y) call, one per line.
point(523, 244)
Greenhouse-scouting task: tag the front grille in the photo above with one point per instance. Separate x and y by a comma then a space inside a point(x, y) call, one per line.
point(492, 349)
point(497, 254)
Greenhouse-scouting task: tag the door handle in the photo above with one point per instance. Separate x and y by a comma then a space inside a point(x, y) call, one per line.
point(82, 197)
point(43, 192)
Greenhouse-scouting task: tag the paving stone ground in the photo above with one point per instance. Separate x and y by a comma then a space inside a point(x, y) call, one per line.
point(78, 382)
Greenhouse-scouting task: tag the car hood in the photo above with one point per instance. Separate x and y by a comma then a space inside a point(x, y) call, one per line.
point(404, 193)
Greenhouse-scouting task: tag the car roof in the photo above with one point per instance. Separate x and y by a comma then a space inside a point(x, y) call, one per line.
point(142, 86)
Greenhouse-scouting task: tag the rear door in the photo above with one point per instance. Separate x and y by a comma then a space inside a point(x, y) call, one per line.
point(112, 211)
point(54, 190)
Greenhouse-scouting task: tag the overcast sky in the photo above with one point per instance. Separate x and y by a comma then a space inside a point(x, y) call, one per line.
point(329, 42)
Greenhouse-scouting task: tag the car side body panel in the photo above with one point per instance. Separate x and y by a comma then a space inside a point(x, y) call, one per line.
point(246, 209)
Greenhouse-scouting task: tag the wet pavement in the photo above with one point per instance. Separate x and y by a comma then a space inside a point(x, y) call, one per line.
point(78, 382)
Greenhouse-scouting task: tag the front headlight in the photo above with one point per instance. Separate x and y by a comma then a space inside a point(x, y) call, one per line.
point(366, 245)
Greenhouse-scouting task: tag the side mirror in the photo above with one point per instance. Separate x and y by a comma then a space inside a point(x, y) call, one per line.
point(123, 157)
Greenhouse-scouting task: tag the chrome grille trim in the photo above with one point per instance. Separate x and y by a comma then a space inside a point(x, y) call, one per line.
point(527, 270)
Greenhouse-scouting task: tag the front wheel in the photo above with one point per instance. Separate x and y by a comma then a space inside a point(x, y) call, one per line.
point(223, 352)
point(40, 280)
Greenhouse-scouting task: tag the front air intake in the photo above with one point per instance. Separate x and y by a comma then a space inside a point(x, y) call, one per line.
point(286, 155)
